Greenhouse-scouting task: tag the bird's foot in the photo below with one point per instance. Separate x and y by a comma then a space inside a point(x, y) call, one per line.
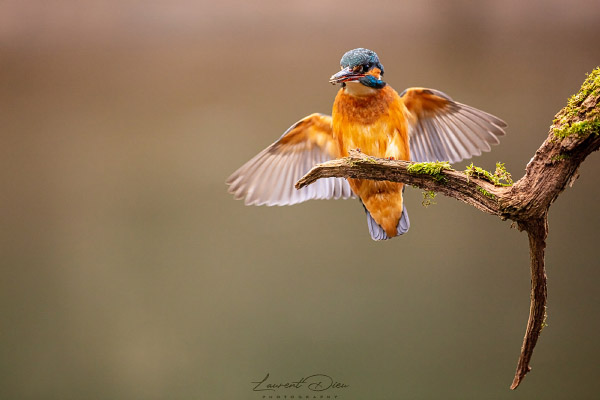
point(390, 158)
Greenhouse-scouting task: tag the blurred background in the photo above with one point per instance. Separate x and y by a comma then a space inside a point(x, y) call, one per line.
point(129, 272)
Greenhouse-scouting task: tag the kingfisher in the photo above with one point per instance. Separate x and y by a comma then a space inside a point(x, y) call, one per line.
point(419, 124)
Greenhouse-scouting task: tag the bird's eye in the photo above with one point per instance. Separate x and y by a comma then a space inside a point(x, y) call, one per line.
point(366, 67)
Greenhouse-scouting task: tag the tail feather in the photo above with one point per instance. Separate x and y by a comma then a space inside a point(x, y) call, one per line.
point(404, 223)
point(378, 233)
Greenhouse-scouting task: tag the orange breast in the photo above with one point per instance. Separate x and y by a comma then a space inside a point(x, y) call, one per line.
point(376, 125)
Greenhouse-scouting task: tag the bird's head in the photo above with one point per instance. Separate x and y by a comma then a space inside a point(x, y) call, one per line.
point(360, 66)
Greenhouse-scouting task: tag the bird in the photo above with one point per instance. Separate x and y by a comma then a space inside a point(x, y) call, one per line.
point(419, 124)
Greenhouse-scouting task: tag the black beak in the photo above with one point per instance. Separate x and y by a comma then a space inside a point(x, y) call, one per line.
point(345, 75)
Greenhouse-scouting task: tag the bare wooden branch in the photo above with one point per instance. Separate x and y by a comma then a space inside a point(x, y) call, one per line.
point(455, 184)
point(537, 230)
point(574, 135)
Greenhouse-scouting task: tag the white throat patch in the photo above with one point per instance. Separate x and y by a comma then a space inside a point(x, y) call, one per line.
point(355, 88)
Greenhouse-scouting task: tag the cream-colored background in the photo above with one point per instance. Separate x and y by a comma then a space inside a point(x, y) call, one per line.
point(128, 272)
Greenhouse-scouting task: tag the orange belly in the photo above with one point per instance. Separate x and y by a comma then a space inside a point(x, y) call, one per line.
point(375, 125)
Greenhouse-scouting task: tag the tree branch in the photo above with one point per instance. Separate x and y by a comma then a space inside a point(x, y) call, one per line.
point(537, 230)
point(575, 134)
point(471, 190)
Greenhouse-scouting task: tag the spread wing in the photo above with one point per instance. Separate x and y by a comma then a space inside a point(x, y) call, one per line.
point(269, 177)
point(445, 130)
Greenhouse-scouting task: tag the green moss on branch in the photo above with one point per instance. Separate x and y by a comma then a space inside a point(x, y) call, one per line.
point(566, 122)
point(500, 177)
point(486, 193)
point(431, 168)
point(591, 86)
point(579, 129)
point(428, 197)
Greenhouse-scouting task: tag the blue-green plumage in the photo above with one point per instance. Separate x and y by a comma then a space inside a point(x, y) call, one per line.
point(363, 57)
point(371, 81)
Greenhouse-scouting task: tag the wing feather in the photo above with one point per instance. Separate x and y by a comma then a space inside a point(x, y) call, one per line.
point(442, 129)
point(436, 147)
point(469, 141)
point(269, 177)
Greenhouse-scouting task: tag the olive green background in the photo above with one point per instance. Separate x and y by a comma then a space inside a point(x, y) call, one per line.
point(129, 272)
